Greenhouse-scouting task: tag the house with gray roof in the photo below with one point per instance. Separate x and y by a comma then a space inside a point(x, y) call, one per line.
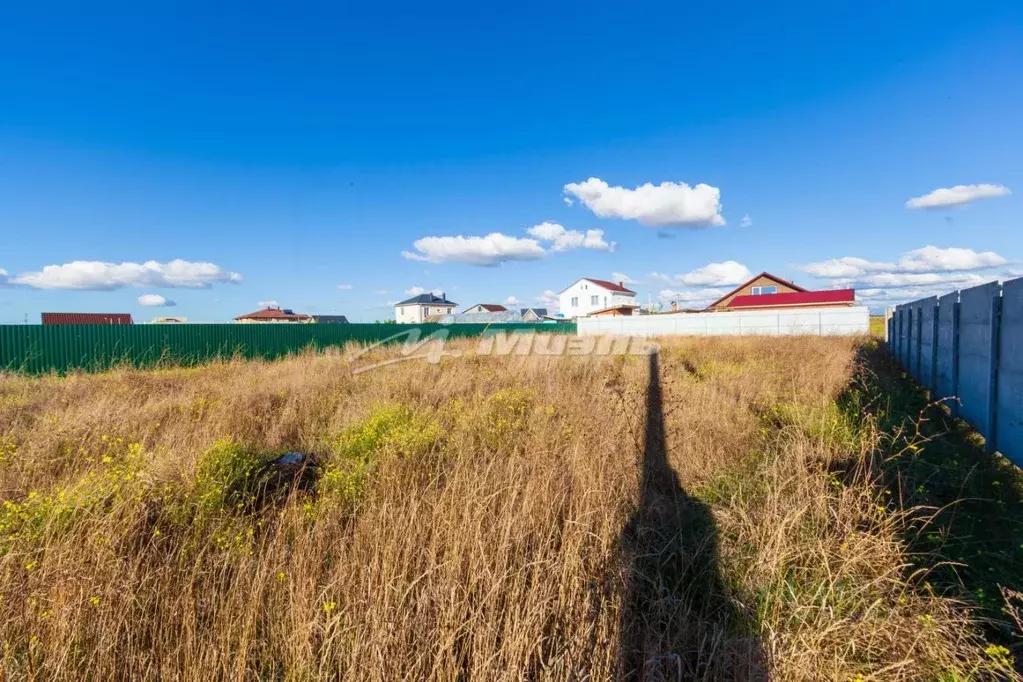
point(415, 310)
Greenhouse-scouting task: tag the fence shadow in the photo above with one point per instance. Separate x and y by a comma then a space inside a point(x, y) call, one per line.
point(969, 533)
point(678, 621)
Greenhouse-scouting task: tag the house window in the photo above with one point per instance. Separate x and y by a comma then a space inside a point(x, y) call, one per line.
point(575, 301)
point(594, 300)
point(758, 291)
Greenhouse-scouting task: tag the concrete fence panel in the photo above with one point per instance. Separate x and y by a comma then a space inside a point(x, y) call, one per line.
point(928, 308)
point(968, 345)
point(947, 350)
point(977, 360)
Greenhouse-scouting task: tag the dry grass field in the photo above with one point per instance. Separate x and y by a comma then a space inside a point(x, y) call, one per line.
point(716, 512)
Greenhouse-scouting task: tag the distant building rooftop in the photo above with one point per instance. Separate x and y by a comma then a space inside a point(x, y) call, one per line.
point(428, 298)
point(87, 318)
point(271, 314)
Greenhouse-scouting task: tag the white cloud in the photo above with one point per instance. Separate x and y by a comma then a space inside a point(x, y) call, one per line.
point(623, 278)
point(100, 276)
point(382, 292)
point(929, 271)
point(415, 291)
point(548, 298)
point(924, 260)
point(568, 201)
point(960, 195)
point(565, 240)
point(727, 273)
point(746, 221)
point(345, 287)
point(155, 301)
point(547, 231)
point(493, 249)
point(931, 258)
point(511, 300)
point(269, 304)
point(497, 248)
point(844, 267)
point(895, 280)
point(668, 203)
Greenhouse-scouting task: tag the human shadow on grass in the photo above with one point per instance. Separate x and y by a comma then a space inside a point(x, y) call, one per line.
point(969, 533)
point(678, 620)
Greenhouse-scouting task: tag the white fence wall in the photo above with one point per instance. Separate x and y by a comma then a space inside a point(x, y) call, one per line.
point(814, 321)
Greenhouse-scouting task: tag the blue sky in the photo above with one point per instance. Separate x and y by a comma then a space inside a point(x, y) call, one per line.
point(257, 153)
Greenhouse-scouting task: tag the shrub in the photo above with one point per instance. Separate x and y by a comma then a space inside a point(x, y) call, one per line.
point(228, 476)
point(390, 430)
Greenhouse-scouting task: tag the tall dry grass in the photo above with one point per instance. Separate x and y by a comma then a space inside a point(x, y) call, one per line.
point(484, 517)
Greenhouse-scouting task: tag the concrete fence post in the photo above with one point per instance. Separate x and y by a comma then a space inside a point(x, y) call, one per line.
point(955, 357)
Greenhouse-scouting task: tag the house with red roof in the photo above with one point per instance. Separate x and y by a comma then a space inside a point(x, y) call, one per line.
point(273, 315)
point(587, 296)
point(770, 292)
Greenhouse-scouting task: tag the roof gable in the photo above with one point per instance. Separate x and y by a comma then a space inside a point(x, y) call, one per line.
point(490, 307)
point(603, 283)
point(765, 273)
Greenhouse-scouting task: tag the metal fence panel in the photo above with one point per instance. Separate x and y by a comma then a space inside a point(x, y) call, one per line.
point(1009, 401)
point(60, 348)
point(947, 353)
point(977, 335)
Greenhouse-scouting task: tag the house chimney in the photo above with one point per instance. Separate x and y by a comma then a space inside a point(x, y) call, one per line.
point(443, 297)
point(674, 306)
point(621, 284)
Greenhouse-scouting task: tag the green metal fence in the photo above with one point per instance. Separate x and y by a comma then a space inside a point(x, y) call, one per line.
point(37, 349)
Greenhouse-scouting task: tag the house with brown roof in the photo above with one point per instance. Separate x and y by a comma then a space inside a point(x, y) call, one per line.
point(272, 315)
point(588, 295)
point(766, 292)
point(87, 318)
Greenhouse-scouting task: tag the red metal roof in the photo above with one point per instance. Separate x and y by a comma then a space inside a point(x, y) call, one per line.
point(609, 285)
point(832, 296)
point(87, 318)
point(491, 307)
point(273, 314)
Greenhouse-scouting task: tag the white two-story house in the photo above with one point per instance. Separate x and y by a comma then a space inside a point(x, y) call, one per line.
point(415, 310)
point(587, 296)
